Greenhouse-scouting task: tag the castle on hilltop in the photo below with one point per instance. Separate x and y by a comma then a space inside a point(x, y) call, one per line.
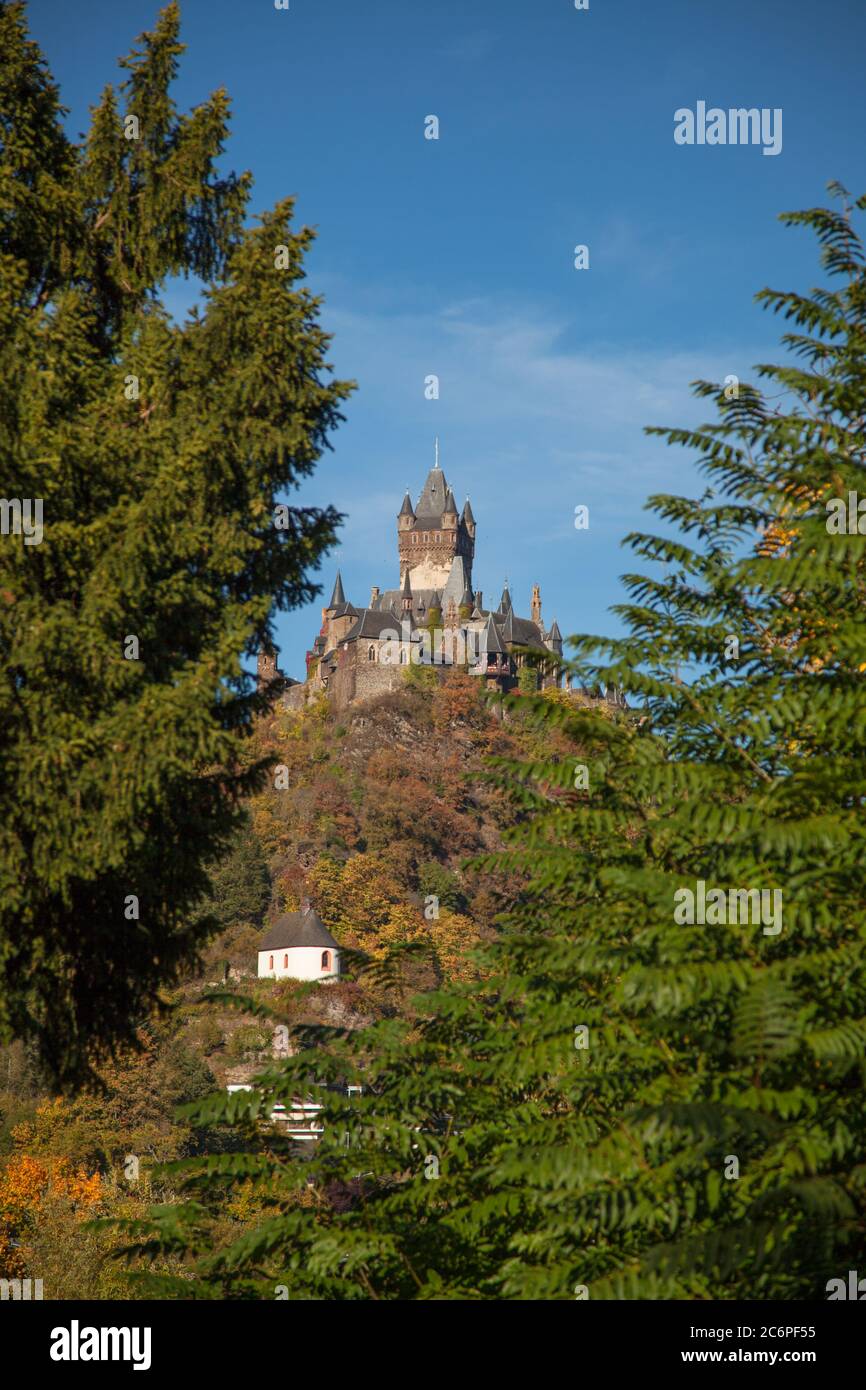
point(434, 617)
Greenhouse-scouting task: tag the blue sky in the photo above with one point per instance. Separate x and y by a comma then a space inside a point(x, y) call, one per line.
point(455, 256)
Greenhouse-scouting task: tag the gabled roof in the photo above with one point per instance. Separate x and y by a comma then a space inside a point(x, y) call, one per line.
point(455, 586)
point(372, 623)
point(304, 928)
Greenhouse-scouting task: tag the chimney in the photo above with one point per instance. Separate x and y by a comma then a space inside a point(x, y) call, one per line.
point(479, 600)
point(374, 594)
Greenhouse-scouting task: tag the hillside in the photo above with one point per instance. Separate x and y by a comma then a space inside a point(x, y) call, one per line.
point(372, 815)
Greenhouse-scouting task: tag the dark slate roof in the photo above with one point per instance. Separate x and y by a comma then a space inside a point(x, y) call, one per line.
point(406, 590)
point(490, 639)
point(467, 600)
point(455, 586)
point(406, 509)
point(431, 503)
point(390, 599)
point(505, 601)
point(467, 511)
point(526, 632)
point(345, 610)
point(304, 928)
point(450, 504)
point(372, 623)
point(338, 598)
point(554, 634)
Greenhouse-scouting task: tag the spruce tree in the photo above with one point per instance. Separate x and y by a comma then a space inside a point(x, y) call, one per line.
point(158, 453)
point(630, 1104)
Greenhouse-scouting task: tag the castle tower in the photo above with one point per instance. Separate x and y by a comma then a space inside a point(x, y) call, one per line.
point(339, 614)
point(266, 667)
point(432, 534)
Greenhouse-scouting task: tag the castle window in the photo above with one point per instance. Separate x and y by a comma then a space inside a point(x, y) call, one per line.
point(371, 653)
point(271, 964)
point(326, 960)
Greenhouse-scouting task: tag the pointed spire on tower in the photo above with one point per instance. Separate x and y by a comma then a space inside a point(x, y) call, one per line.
point(338, 598)
point(505, 601)
point(490, 639)
point(407, 509)
point(437, 463)
point(450, 504)
point(467, 513)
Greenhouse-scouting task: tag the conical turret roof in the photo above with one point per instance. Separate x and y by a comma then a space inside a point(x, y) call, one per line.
point(491, 641)
point(338, 598)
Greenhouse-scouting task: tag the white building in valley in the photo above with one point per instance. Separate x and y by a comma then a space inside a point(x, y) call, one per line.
point(299, 947)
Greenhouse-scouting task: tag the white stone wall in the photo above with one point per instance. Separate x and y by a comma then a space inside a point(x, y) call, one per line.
point(304, 963)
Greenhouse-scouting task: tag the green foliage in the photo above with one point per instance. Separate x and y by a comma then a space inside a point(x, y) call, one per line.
point(240, 883)
point(585, 1099)
point(527, 681)
point(158, 452)
point(436, 879)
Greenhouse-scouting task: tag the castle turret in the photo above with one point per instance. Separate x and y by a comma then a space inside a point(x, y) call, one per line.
point(338, 598)
point(339, 615)
point(406, 514)
point(535, 605)
point(406, 595)
point(468, 519)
